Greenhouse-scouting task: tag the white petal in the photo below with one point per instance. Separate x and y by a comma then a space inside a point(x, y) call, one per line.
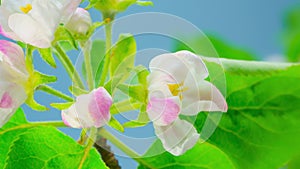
point(163, 111)
point(15, 5)
point(178, 65)
point(178, 137)
point(202, 96)
point(29, 31)
point(47, 14)
point(89, 110)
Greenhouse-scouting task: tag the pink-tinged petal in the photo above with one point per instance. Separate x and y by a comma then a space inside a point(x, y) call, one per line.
point(89, 110)
point(12, 97)
point(204, 96)
point(163, 111)
point(99, 107)
point(6, 101)
point(178, 137)
point(30, 31)
point(178, 65)
point(13, 55)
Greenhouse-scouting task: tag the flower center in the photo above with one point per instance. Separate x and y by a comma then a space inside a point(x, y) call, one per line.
point(26, 9)
point(177, 89)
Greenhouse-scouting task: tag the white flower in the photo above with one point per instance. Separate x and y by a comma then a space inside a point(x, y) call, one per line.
point(89, 110)
point(34, 21)
point(13, 79)
point(177, 86)
point(80, 22)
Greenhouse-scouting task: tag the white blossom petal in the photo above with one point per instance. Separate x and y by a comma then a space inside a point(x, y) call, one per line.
point(89, 110)
point(178, 65)
point(202, 96)
point(178, 137)
point(29, 30)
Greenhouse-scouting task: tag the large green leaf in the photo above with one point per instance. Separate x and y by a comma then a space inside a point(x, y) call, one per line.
point(26, 146)
point(261, 128)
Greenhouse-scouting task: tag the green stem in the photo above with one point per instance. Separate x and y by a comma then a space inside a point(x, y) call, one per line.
point(29, 59)
point(67, 63)
point(89, 146)
point(54, 92)
point(35, 124)
point(108, 43)
point(86, 47)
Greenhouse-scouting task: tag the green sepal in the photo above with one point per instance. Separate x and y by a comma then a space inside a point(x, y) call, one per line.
point(62, 34)
point(116, 124)
point(61, 106)
point(33, 104)
point(136, 92)
point(47, 56)
point(77, 91)
point(40, 78)
point(142, 120)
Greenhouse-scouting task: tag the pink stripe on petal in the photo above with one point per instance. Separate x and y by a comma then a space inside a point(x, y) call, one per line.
point(163, 111)
point(99, 106)
point(6, 101)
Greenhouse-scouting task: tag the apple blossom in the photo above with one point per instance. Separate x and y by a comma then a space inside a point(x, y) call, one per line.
point(80, 22)
point(13, 79)
point(89, 110)
point(34, 21)
point(177, 86)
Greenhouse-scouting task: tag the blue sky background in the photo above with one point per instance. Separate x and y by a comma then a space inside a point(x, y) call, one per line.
point(254, 25)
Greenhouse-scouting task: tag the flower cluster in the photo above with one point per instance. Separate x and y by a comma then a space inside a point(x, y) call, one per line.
point(176, 85)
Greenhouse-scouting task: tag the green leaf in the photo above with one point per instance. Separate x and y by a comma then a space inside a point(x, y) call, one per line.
point(45, 147)
point(47, 56)
point(97, 59)
point(24, 145)
point(202, 156)
point(261, 128)
point(136, 92)
point(125, 49)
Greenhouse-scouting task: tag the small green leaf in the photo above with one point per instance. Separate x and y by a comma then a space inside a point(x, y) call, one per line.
point(125, 49)
point(47, 56)
point(33, 104)
point(61, 106)
point(116, 124)
point(97, 59)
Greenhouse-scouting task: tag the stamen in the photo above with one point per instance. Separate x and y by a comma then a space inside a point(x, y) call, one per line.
point(176, 89)
point(26, 9)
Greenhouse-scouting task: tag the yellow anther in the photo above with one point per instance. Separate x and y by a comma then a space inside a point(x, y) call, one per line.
point(176, 89)
point(26, 8)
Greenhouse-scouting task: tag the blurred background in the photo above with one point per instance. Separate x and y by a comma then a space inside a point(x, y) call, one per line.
point(261, 30)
